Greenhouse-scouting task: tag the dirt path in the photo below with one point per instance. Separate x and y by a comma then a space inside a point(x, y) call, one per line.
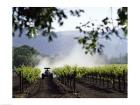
point(84, 91)
point(50, 89)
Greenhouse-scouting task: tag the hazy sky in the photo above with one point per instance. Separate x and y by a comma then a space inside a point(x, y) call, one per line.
point(95, 14)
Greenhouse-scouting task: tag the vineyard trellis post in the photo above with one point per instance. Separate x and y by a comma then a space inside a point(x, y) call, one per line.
point(108, 80)
point(103, 82)
point(92, 78)
point(96, 78)
point(100, 79)
point(21, 81)
point(113, 80)
point(119, 84)
point(74, 85)
point(124, 80)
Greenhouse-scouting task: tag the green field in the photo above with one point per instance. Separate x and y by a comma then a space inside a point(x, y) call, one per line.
point(112, 69)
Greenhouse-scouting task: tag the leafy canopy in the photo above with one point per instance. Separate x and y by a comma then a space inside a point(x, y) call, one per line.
point(24, 55)
point(90, 41)
point(33, 19)
point(40, 18)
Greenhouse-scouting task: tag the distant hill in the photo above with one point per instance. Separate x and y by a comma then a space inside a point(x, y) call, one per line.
point(65, 42)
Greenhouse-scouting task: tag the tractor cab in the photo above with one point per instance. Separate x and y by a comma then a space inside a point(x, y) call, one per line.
point(47, 74)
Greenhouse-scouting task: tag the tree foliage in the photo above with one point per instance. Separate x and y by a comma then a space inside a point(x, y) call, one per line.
point(24, 55)
point(33, 19)
point(40, 18)
point(91, 42)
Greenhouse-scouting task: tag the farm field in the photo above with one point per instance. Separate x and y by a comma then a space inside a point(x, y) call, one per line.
point(74, 52)
point(77, 82)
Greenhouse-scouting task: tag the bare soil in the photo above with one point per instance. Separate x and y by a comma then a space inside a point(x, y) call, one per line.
point(54, 89)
